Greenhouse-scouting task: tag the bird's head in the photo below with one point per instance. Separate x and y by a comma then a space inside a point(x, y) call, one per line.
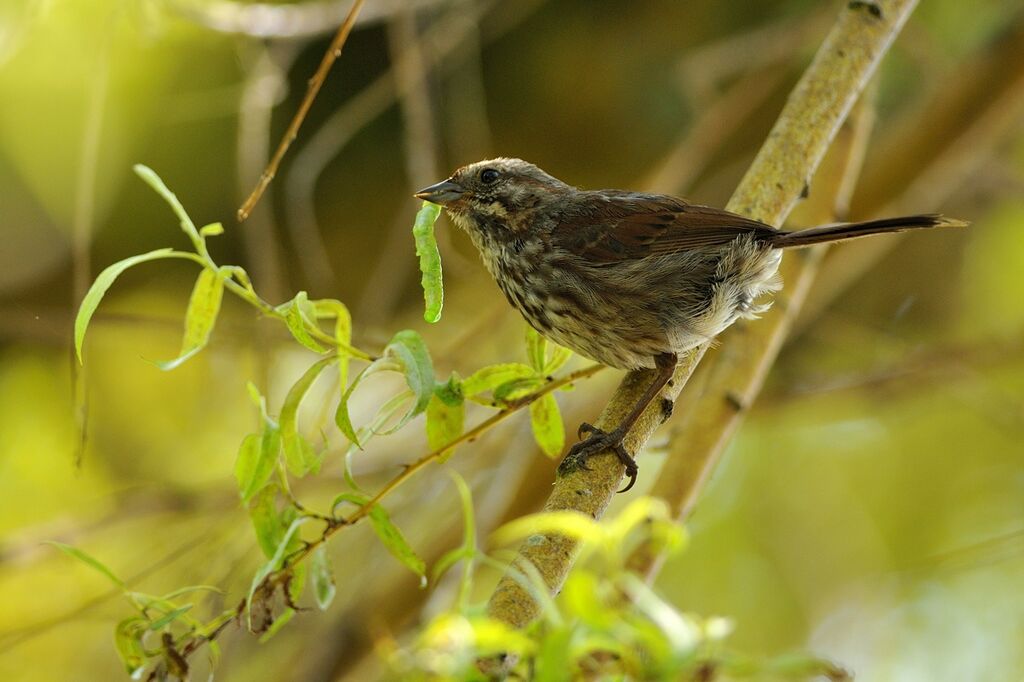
point(494, 194)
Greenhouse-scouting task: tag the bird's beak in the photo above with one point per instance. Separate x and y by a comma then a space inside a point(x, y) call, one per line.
point(442, 193)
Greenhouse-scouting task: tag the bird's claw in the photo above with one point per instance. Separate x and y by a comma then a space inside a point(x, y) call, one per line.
point(598, 441)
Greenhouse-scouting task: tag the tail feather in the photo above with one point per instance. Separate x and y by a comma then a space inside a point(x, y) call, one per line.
point(843, 231)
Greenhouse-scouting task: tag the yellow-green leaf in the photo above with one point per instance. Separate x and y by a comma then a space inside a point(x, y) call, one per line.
point(169, 617)
point(536, 349)
point(341, 415)
point(276, 561)
point(323, 580)
point(99, 288)
point(298, 452)
point(299, 325)
point(444, 422)
point(150, 177)
point(128, 640)
point(266, 522)
point(546, 420)
point(88, 560)
point(409, 350)
point(203, 308)
point(257, 457)
point(395, 542)
point(571, 524)
point(342, 332)
point(491, 377)
point(430, 261)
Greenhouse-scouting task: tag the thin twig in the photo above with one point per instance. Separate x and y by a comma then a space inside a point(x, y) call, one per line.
point(775, 181)
point(435, 455)
point(442, 46)
point(265, 85)
point(336, 524)
point(332, 53)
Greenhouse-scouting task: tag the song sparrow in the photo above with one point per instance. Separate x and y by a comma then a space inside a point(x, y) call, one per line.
point(627, 279)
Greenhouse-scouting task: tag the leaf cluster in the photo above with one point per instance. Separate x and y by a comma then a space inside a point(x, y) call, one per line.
point(280, 451)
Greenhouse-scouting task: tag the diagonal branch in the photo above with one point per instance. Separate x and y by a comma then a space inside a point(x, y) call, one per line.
point(773, 184)
point(737, 371)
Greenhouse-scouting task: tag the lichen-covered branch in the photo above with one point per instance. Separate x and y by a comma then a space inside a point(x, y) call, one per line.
point(736, 373)
point(775, 181)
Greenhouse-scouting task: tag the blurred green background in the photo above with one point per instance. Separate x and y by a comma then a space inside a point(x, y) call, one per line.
point(871, 509)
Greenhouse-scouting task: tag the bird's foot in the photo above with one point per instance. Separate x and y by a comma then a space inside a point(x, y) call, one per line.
point(598, 441)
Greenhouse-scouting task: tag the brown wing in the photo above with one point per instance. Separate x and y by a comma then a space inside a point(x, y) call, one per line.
point(612, 226)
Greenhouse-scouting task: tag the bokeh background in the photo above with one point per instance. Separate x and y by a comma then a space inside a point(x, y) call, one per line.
point(870, 510)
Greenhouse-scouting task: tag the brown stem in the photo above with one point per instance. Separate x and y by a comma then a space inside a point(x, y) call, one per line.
point(332, 53)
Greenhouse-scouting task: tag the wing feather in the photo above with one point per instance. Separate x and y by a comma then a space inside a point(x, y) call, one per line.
point(612, 226)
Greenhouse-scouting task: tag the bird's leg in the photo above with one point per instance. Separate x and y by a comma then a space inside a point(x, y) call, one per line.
point(600, 441)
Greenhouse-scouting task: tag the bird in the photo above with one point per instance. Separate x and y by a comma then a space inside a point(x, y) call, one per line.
point(628, 279)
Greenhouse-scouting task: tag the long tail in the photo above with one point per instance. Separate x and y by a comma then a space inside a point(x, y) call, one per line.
point(843, 231)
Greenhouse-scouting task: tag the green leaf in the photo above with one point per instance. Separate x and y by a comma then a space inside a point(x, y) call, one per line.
point(99, 288)
point(387, 531)
point(554, 657)
point(174, 594)
point(298, 324)
point(257, 457)
point(517, 388)
point(352, 498)
point(490, 377)
point(277, 559)
point(396, 543)
point(468, 550)
point(278, 623)
point(266, 522)
point(153, 180)
point(342, 332)
point(409, 350)
point(298, 452)
point(557, 357)
point(546, 420)
point(323, 581)
point(545, 357)
point(450, 392)
point(212, 230)
point(449, 559)
point(255, 396)
point(88, 560)
point(446, 414)
point(203, 308)
point(536, 349)
point(169, 617)
point(341, 415)
point(572, 524)
point(297, 582)
point(300, 456)
point(128, 640)
point(430, 261)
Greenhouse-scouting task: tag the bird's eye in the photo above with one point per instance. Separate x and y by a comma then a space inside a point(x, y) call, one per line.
point(488, 176)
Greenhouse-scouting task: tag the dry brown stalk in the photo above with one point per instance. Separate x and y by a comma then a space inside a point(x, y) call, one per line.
point(332, 53)
point(791, 154)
